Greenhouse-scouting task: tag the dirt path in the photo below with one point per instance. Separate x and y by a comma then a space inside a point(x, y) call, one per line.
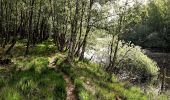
point(70, 88)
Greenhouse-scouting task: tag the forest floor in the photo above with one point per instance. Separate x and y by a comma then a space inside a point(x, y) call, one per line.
point(70, 87)
point(43, 73)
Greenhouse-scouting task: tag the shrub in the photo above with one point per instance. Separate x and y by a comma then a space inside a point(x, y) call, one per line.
point(132, 61)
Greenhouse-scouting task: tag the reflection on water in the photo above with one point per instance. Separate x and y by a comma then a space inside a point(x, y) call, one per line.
point(99, 53)
point(163, 60)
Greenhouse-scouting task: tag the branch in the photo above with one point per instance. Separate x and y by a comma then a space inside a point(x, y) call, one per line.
point(123, 57)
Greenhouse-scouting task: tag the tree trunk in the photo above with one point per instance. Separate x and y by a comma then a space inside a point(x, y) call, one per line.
point(115, 56)
point(30, 27)
point(80, 34)
point(15, 34)
point(10, 48)
point(111, 68)
point(87, 31)
point(73, 34)
point(1, 21)
point(110, 55)
point(163, 80)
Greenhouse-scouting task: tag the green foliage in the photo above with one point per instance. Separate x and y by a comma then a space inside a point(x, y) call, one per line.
point(159, 97)
point(132, 61)
point(39, 63)
point(153, 29)
point(99, 86)
point(2, 82)
point(33, 80)
point(35, 21)
point(81, 91)
point(32, 85)
point(46, 48)
point(84, 95)
point(162, 97)
point(92, 83)
point(141, 61)
point(10, 94)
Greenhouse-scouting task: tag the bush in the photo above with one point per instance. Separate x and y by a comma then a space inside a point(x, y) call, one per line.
point(132, 61)
point(99, 87)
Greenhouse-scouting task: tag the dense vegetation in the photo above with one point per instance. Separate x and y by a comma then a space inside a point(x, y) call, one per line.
point(46, 43)
point(153, 29)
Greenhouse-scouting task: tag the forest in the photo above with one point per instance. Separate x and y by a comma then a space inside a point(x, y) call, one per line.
point(84, 50)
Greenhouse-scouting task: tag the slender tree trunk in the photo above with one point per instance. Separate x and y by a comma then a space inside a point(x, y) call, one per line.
point(73, 34)
point(163, 74)
point(10, 48)
point(115, 55)
point(6, 26)
point(30, 27)
point(15, 33)
point(37, 25)
point(110, 55)
point(80, 34)
point(87, 31)
point(1, 21)
point(163, 79)
point(111, 68)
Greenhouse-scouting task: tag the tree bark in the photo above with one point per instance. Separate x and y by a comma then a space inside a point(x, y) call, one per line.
point(73, 34)
point(88, 28)
point(79, 44)
point(30, 27)
point(110, 55)
point(112, 64)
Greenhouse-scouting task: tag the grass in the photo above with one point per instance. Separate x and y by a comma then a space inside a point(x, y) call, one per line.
point(35, 82)
point(44, 49)
point(92, 83)
point(30, 85)
point(30, 78)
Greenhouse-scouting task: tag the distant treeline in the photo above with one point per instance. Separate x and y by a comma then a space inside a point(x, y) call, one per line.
point(153, 30)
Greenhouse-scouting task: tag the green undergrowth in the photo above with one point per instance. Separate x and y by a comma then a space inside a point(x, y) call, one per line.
point(92, 83)
point(44, 49)
point(31, 79)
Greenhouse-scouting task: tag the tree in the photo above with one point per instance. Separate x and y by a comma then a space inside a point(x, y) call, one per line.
point(88, 27)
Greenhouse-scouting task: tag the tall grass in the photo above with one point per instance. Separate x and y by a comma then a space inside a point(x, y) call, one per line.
point(92, 83)
point(32, 80)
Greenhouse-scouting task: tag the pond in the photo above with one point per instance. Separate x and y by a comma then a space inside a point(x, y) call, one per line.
point(99, 53)
point(163, 61)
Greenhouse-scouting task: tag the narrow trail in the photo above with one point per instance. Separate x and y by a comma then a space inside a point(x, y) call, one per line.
point(70, 88)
